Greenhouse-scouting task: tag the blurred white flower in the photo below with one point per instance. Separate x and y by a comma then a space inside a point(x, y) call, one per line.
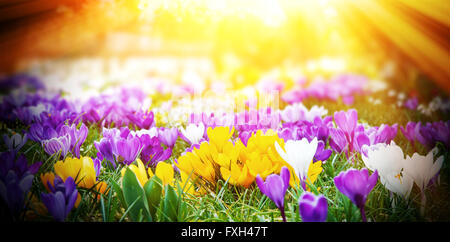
point(296, 112)
point(194, 133)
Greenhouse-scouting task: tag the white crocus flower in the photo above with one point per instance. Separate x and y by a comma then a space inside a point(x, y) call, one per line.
point(389, 161)
point(292, 113)
point(423, 168)
point(298, 154)
point(384, 158)
point(152, 132)
point(400, 183)
point(314, 112)
point(194, 133)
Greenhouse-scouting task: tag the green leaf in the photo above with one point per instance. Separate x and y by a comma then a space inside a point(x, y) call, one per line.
point(133, 192)
point(153, 190)
point(182, 211)
point(170, 205)
point(119, 192)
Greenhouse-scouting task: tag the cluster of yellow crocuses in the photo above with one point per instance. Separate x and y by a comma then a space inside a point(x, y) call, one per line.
point(80, 169)
point(164, 171)
point(220, 158)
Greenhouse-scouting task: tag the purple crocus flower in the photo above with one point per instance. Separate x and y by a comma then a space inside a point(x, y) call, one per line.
point(168, 136)
point(321, 153)
point(424, 134)
point(97, 164)
point(245, 135)
point(275, 188)
point(152, 151)
point(409, 132)
point(383, 134)
point(144, 120)
point(105, 148)
point(338, 142)
point(41, 131)
point(128, 149)
point(58, 144)
point(16, 142)
point(62, 198)
point(356, 185)
point(347, 122)
point(313, 208)
point(442, 132)
point(286, 133)
point(77, 137)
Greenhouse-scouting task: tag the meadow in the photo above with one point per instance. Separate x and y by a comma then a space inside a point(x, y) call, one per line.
point(333, 149)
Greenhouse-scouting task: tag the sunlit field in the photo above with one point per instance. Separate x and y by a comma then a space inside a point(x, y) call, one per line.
point(224, 111)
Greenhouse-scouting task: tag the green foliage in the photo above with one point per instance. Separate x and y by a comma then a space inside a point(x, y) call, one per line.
point(153, 190)
point(135, 198)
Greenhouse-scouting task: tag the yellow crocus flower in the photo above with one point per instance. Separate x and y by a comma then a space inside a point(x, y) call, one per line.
point(82, 169)
point(199, 162)
point(139, 171)
point(48, 177)
point(260, 154)
point(164, 172)
point(219, 136)
point(260, 164)
point(315, 168)
point(238, 174)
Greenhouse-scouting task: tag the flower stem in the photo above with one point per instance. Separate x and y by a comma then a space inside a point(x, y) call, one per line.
point(363, 214)
point(423, 203)
point(282, 214)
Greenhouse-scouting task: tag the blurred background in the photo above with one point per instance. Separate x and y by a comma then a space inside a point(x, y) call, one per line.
point(405, 42)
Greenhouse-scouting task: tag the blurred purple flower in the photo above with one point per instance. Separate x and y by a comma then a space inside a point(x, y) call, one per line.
point(348, 100)
point(16, 178)
point(343, 85)
point(411, 103)
point(168, 136)
point(442, 132)
point(16, 142)
point(61, 199)
point(427, 134)
point(424, 134)
point(21, 80)
point(313, 208)
point(409, 132)
point(41, 131)
point(144, 120)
